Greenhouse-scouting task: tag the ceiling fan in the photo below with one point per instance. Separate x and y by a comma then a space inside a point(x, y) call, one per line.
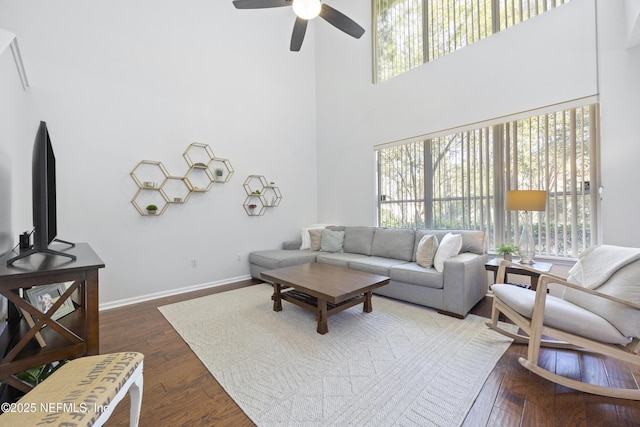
point(306, 10)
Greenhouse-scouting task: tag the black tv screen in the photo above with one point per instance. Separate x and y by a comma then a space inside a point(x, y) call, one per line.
point(43, 183)
point(43, 187)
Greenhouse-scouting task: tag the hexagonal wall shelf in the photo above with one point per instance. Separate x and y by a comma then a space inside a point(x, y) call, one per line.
point(198, 154)
point(149, 174)
point(222, 169)
point(199, 179)
point(156, 186)
point(144, 198)
point(177, 189)
point(260, 195)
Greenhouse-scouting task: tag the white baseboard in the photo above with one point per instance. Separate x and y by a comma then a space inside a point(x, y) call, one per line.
point(148, 297)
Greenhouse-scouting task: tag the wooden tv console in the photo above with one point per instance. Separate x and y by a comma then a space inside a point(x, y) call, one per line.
point(77, 334)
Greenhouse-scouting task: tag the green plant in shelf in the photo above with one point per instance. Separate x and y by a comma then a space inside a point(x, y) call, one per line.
point(219, 172)
point(152, 209)
point(256, 192)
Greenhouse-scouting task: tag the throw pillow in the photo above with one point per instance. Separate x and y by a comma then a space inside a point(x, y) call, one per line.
point(316, 238)
point(331, 241)
point(306, 238)
point(427, 251)
point(449, 247)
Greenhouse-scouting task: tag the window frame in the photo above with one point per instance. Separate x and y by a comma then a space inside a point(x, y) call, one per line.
point(503, 14)
point(505, 224)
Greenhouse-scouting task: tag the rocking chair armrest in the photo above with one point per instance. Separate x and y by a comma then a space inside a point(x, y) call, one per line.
point(545, 279)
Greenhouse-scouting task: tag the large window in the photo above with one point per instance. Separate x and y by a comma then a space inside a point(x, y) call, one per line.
point(411, 32)
point(458, 181)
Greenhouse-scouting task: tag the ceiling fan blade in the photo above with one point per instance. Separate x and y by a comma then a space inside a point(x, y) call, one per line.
point(299, 28)
point(341, 21)
point(261, 4)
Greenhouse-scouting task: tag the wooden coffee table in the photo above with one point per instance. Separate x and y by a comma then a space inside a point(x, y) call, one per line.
point(323, 289)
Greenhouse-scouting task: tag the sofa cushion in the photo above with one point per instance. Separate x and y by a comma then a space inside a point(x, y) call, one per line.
point(358, 240)
point(374, 265)
point(623, 284)
point(427, 248)
point(278, 258)
point(449, 247)
point(560, 314)
point(414, 274)
point(396, 243)
point(472, 240)
point(331, 241)
point(338, 259)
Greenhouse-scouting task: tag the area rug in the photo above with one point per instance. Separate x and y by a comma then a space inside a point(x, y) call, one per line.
point(399, 365)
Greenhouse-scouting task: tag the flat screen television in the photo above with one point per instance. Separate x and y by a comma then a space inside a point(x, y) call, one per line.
point(43, 193)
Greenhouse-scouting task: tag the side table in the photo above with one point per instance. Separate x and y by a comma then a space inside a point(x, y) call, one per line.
point(36, 339)
point(540, 267)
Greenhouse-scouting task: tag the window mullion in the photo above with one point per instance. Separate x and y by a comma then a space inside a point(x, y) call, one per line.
point(574, 185)
point(428, 183)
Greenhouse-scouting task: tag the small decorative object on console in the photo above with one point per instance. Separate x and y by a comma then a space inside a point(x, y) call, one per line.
point(507, 251)
point(45, 296)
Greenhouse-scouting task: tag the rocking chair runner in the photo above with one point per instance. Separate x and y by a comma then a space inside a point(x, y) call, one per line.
point(605, 321)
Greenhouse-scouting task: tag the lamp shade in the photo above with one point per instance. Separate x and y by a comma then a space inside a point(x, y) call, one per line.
point(526, 200)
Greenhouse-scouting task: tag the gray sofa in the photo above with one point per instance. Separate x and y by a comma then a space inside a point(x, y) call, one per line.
point(392, 252)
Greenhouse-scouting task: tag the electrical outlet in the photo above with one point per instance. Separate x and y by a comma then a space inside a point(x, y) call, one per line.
point(194, 263)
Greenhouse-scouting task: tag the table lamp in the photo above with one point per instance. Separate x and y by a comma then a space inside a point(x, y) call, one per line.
point(526, 201)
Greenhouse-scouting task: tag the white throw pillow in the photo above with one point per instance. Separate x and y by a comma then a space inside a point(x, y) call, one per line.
point(306, 238)
point(426, 251)
point(449, 247)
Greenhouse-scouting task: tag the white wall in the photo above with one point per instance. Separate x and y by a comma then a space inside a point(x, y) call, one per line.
point(620, 112)
point(120, 81)
point(16, 140)
point(549, 59)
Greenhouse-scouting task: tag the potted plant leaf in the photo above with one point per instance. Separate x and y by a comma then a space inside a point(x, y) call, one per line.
point(506, 250)
point(35, 376)
point(219, 173)
point(152, 209)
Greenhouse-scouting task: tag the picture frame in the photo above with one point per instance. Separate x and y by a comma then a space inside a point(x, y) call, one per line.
point(45, 296)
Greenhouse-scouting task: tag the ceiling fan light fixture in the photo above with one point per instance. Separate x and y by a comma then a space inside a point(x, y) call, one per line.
point(307, 9)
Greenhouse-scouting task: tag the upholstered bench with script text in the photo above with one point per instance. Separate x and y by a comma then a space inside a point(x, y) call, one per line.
point(83, 392)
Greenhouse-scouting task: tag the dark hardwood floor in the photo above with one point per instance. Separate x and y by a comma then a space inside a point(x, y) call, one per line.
point(179, 391)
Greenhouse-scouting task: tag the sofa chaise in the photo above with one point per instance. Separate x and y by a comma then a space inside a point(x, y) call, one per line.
point(459, 285)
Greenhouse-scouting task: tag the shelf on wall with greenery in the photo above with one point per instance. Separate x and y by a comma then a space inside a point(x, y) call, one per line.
point(157, 187)
point(222, 169)
point(260, 190)
point(145, 197)
point(150, 176)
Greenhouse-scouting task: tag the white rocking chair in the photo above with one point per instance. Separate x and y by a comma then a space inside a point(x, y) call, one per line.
point(605, 321)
